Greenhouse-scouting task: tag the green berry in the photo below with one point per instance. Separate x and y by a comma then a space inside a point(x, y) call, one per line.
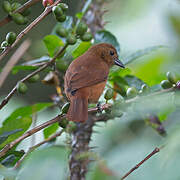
point(109, 94)
point(61, 66)
point(81, 28)
point(18, 18)
point(145, 88)
point(34, 78)
point(63, 123)
point(4, 44)
point(65, 108)
point(61, 18)
point(11, 37)
point(171, 77)
point(15, 6)
point(61, 31)
point(63, 6)
point(87, 36)
point(22, 88)
point(57, 11)
point(131, 92)
point(165, 84)
point(71, 39)
point(6, 6)
point(26, 12)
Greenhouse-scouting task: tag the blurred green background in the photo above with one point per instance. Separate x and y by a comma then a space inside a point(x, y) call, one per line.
point(121, 142)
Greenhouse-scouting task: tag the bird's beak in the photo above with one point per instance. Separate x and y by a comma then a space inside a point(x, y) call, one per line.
point(119, 63)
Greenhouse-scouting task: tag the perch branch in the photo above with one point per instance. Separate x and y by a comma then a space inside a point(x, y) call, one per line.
point(36, 146)
point(156, 150)
point(29, 133)
point(7, 98)
point(27, 5)
point(13, 60)
point(28, 28)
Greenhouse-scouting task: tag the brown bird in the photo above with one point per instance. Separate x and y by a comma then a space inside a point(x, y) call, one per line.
point(86, 78)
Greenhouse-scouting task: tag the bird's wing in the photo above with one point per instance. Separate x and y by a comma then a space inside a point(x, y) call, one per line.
point(86, 75)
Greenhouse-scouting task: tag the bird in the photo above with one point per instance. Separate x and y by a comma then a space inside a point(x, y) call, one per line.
point(86, 77)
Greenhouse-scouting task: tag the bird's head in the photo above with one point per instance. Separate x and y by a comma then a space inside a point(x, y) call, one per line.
point(107, 53)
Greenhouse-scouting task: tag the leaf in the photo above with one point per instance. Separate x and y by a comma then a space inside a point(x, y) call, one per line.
point(141, 53)
point(50, 130)
point(105, 36)
point(5, 135)
point(79, 15)
point(133, 81)
point(52, 42)
point(16, 69)
point(82, 48)
point(20, 119)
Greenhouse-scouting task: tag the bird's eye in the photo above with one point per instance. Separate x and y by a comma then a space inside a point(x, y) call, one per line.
point(111, 53)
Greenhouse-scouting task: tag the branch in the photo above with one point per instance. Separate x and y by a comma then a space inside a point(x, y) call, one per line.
point(13, 60)
point(156, 150)
point(36, 146)
point(40, 127)
point(29, 133)
point(6, 99)
point(19, 10)
point(28, 28)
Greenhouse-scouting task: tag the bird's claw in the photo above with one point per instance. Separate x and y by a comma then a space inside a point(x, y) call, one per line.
point(99, 108)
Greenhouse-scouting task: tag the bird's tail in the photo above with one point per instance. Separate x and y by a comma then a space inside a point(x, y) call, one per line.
point(78, 110)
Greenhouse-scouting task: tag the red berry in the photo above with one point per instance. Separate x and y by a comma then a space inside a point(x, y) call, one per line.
point(47, 2)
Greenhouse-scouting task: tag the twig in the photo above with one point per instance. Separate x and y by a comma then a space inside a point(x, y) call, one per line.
point(19, 10)
point(36, 146)
point(156, 150)
point(40, 127)
point(28, 28)
point(29, 133)
point(13, 60)
point(6, 99)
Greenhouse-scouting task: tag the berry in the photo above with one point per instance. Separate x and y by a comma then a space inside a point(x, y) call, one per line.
point(61, 18)
point(22, 88)
point(18, 18)
point(165, 84)
point(86, 36)
point(81, 28)
point(34, 78)
point(47, 2)
point(4, 44)
point(109, 94)
point(61, 31)
point(131, 92)
point(6, 6)
point(11, 37)
point(15, 6)
point(63, 6)
point(171, 77)
point(65, 108)
point(71, 39)
point(57, 11)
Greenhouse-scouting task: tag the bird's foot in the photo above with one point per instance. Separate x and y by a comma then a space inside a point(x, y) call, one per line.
point(99, 108)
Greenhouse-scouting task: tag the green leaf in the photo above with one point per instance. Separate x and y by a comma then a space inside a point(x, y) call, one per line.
point(52, 42)
point(79, 15)
point(20, 119)
point(50, 130)
point(140, 53)
point(5, 135)
point(133, 81)
point(82, 48)
point(104, 36)
point(16, 69)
